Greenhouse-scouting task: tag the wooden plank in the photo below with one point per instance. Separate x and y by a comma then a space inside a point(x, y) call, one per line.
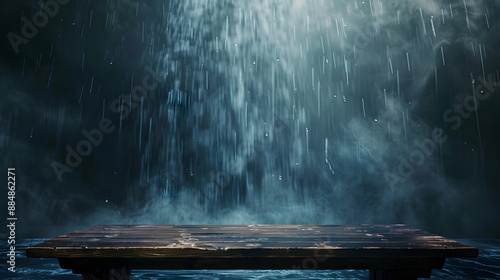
point(165, 232)
point(249, 243)
point(251, 246)
point(222, 253)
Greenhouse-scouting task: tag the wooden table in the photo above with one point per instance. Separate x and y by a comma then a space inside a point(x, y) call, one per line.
point(388, 251)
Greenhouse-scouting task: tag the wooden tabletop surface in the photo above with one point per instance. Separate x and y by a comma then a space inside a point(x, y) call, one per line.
point(275, 243)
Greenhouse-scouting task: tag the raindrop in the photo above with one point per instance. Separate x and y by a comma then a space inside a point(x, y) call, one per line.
point(326, 157)
point(423, 22)
point(83, 61)
point(91, 15)
point(307, 140)
point(442, 55)
point(364, 112)
point(408, 61)
point(432, 25)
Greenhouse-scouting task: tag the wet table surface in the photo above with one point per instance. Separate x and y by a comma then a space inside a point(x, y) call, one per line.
point(374, 247)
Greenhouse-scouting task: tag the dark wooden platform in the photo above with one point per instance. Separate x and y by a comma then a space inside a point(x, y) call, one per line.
point(388, 251)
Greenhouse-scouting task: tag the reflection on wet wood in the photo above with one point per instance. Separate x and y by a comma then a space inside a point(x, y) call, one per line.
point(386, 250)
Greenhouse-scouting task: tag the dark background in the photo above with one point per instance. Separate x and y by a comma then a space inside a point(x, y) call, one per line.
point(38, 119)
